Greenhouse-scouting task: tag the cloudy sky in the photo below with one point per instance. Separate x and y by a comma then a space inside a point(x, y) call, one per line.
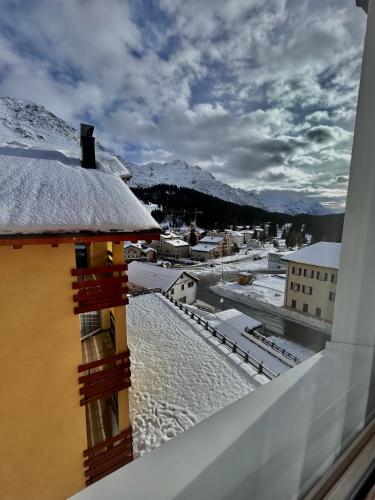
point(262, 93)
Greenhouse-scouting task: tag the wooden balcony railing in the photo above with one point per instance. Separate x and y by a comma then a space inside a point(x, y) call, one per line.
point(99, 288)
point(104, 377)
point(108, 456)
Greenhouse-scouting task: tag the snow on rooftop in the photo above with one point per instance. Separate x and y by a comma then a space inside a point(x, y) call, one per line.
point(177, 243)
point(46, 190)
point(200, 247)
point(322, 254)
point(212, 239)
point(178, 377)
point(151, 276)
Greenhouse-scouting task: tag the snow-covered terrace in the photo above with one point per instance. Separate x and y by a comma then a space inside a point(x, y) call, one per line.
point(179, 378)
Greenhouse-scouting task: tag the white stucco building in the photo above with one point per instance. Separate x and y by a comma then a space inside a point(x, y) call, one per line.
point(180, 284)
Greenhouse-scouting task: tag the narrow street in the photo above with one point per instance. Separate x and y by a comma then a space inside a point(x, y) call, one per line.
point(275, 325)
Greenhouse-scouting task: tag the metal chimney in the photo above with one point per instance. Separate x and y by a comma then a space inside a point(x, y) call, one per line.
point(87, 146)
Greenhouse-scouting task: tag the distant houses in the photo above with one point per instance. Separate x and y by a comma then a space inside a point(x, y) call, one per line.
point(135, 251)
point(180, 284)
point(209, 247)
point(312, 278)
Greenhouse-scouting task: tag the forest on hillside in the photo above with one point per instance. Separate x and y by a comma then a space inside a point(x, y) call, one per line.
point(179, 205)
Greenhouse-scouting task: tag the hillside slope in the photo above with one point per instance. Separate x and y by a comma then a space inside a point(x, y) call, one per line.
point(181, 174)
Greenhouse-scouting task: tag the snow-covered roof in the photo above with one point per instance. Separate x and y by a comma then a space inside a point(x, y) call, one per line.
point(151, 276)
point(178, 243)
point(212, 239)
point(166, 343)
point(322, 254)
point(47, 191)
point(200, 247)
point(232, 319)
point(168, 236)
point(130, 244)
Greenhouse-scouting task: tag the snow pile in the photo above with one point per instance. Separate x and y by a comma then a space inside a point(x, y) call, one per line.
point(44, 190)
point(178, 377)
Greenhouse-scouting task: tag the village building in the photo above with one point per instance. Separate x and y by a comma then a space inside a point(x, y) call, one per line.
point(171, 245)
point(205, 251)
point(225, 243)
point(276, 260)
point(150, 254)
point(312, 278)
point(135, 251)
point(181, 285)
point(237, 237)
point(132, 251)
point(176, 249)
point(63, 316)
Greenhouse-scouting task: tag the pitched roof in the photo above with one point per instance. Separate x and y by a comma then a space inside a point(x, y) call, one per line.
point(151, 276)
point(200, 247)
point(177, 243)
point(47, 191)
point(322, 254)
point(212, 239)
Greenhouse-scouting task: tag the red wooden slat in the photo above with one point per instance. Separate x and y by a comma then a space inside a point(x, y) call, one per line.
point(103, 361)
point(83, 271)
point(101, 282)
point(97, 375)
point(102, 384)
point(99, 296)
point(105, 305)
point(125, 447)
point(105, 473)
point(108, 463)
point(97, 292)
point(111, 390)
point(126, 434)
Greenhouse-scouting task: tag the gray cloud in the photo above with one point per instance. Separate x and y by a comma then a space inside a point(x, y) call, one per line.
point(254, 92)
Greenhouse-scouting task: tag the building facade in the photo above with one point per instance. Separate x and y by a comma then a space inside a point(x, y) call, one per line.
point(65, 365)
point(132, 251)
point(176, 249)
point(180, 284)
point(312, 279)
point(203, 251)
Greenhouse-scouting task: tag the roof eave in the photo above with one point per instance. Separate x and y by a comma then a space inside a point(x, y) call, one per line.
point(81, 237)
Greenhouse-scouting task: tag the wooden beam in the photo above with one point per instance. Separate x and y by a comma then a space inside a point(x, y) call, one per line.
point(84, 238)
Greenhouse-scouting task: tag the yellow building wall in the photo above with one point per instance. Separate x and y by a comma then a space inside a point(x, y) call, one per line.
point(320, 293)
point(99, 257)
point(42, 425)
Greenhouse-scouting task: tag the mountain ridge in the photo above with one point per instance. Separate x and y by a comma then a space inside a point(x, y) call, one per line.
point(180, 173)
point(27, 121)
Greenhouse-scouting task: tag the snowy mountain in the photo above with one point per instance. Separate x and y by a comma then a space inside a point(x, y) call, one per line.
point(33, 124)
point(182, 174)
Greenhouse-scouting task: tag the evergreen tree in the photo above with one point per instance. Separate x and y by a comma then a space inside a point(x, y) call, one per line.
point(192, 237)
point(272, 230)
point(291, 239)
point(235, 248)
